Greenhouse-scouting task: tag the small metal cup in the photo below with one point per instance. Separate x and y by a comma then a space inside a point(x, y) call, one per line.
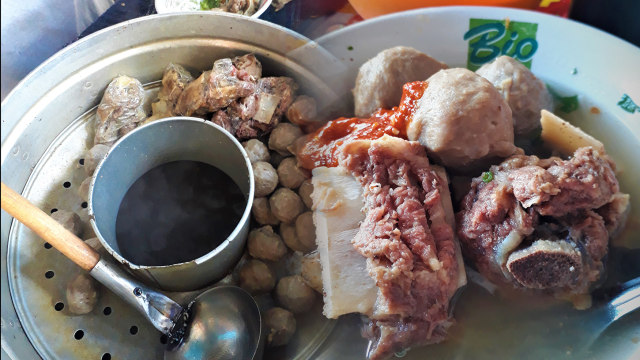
point(154, 144)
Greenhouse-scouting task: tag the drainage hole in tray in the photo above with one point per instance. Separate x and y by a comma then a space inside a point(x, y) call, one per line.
point(107, 311)
point(58, 306)
point(84, 205)
point(47, 245)
point(163, 339)
point(106, 356)
point(81, 162)
point(53, 210)
point(66, 184)
point(49, 274)
point(79, 334)
point(133, 330)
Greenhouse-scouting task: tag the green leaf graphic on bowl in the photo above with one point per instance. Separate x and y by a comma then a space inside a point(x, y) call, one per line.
point(489, 39)
point(627, 104)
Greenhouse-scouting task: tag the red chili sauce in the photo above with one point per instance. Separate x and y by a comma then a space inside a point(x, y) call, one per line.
point(322, 147)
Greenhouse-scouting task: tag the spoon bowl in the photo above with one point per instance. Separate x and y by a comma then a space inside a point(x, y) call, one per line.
point(222, 323)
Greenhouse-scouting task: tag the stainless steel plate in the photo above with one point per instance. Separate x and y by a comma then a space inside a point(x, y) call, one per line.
point(46, 126)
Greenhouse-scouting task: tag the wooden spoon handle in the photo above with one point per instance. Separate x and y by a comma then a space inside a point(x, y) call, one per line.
point(48, 229)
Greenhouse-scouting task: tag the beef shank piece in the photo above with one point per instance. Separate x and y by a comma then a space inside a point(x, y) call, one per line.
point(405, 242)
point(526, 94)
point(543, 224)
point(380, 79)
point(463, 121)
point(120, 110)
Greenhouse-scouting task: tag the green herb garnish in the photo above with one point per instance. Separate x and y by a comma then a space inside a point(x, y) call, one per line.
point(487, 176)
point(209, 4)
point(566, 104)
point(349, 47)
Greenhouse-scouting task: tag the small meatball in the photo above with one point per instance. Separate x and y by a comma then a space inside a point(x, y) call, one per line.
point(463, 121)
point(82, 294)
point(526, 94)
point(286, 205)
point(290, 174)
point(93, 156)
point(265, 244)
point(262, 212)
point(380, 79)
point(266, 178)
point(256, 277)
point(280, 325)
point(294, 295)
point(283, 136)
point(312, 271)
point(305, 190)
point(306, 230)
point(256, 150)
point(303, 110)
point(83, 189)
point(69, 220)
point(290, 238)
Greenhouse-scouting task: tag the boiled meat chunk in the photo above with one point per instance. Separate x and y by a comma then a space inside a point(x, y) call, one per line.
point(120, 110)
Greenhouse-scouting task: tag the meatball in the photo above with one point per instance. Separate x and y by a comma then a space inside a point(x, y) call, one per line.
point(306, 230)
point(82, 294)
point(285, 205)
point(264, 244)
point(262, 212)
point(280, 324)
point(256, 277)
point(266, 178)
point(256, 150)
point(283, 136)
point(524, 92)
point(380, 79)
point(288, 234)
point(305, 190)
point(290, 174)
point(83, 189)
point(294, 295)
point(69, 220)
point(93, 156)
point(463, 121)
point(312, 271)
point(302, 111)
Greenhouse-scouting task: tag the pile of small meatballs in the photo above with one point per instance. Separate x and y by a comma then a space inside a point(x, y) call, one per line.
point(281, 259)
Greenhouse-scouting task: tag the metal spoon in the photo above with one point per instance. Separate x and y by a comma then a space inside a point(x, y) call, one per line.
point(222, 323)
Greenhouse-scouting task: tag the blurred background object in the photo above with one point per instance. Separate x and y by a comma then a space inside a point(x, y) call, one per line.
point(34, 30)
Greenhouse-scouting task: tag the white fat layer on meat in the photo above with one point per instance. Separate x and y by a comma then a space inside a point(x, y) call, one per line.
point(337, 213)
point(505, 248)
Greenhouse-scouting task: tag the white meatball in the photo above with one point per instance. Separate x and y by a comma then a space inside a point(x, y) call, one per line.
point(303, 110)
point(290, 174)
point(380, 79)
point(312, 271)
point(524, 92)
point(93, 156)
point(69, 220)
point(294, 294)
point(256, 150)
point(280, 325)
point(266, 178)
point(262, 212)
point(256, 277)
point(82, 294)
point(463, 121)
point(306, 231)
point(305, 190)
point(286, 205)
point(265, 244)
point(283, 136)
point(290, 238)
